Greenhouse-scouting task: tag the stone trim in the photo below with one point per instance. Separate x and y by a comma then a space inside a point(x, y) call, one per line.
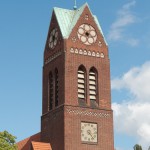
point(87, 53)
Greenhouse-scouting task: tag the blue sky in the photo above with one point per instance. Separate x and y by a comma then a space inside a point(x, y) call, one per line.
point(23, 31)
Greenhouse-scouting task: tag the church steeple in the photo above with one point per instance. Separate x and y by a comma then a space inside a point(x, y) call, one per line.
point(76, 109)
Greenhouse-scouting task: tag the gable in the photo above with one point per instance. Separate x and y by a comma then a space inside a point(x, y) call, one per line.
point(54, 37)
point(67, 19)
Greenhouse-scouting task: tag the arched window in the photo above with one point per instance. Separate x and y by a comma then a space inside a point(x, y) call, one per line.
point(50, 91)
point(56, 87)
point(81, 83)
point(93, 84)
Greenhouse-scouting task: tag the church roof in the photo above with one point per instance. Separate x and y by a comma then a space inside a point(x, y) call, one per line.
point(25, 144)
point(41, 146)
point(67, 19)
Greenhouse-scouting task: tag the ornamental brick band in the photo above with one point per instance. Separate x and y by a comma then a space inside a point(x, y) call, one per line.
point(52, 57)
point(87, 113)
point(87, 53)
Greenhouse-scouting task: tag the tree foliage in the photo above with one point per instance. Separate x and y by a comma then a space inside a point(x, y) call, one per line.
point(7, 141)
point(137, 147)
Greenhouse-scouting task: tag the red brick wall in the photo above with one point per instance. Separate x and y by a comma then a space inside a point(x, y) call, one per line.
point(62, 125)
point(59, 64)
point(73, 61)
point(53, 59)
point(52, 128)
point(73, 118)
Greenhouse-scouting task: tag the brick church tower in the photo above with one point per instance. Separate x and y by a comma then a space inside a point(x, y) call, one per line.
point(76, 106)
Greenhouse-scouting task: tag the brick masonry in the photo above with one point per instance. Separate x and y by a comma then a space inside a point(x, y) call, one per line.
point(62, 125)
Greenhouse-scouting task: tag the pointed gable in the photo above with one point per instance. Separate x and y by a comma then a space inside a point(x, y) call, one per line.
point(77, 14)
point(67, 19)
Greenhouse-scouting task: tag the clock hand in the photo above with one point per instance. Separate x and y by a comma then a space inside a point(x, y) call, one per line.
point(89, 132)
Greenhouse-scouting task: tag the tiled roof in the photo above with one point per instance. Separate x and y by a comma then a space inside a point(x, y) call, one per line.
point(41, 146)
point(67, 19)
point(26, 143)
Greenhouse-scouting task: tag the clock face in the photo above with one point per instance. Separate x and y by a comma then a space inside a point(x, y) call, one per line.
point(89, 132)
point(87, 34)
point(53, 38)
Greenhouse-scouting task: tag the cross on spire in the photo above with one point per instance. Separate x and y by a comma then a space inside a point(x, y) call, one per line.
point(75, 5)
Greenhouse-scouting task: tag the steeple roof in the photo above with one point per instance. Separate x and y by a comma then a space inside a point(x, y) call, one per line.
point(67, 19)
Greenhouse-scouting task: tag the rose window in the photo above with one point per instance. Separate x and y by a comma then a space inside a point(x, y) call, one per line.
point(87, 34)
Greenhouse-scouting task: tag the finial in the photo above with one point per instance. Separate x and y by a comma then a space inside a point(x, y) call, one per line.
point(75, 5)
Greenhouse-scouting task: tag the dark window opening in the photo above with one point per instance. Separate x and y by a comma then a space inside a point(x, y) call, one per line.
point(50, 91)
point(56, 88)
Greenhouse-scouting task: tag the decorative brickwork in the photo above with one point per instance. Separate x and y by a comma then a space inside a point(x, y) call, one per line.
point(87, 53)
point(51, 58)
point(86, 113)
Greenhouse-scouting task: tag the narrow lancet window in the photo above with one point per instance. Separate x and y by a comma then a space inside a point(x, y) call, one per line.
point(56, 87)
point(81, 83)
point(93, 84)
point(50, 91)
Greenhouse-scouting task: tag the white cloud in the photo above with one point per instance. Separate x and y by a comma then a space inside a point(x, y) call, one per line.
point(124, 19)
point(128, 5)
point(144, 132)
point(133, 42)
point(137, 81)
point(132, 117)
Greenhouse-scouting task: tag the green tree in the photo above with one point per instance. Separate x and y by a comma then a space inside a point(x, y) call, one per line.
point(137, 147)
point(7, 141)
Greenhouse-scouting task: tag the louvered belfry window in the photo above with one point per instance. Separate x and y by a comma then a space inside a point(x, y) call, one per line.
point(56, 88)
point(81, 84)
point(50, 91)
point(92, 84)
